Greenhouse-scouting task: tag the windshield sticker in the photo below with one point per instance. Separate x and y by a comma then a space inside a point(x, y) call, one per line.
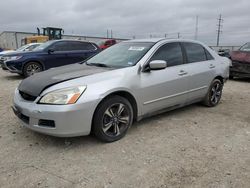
point(130, 63)
point(136, 48)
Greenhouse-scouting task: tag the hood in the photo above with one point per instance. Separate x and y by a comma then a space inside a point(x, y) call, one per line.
point(35, 84)
point(16, 53)
point(242, 56)
point(6, 52)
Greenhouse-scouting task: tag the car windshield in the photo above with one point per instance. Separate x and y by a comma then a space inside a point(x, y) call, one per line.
point(43, 46)
point(245, 47)
point(124, 54)
point(32, 47)
point(22, 48)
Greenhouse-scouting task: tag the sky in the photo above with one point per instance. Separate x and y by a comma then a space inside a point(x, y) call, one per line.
point(132, 18)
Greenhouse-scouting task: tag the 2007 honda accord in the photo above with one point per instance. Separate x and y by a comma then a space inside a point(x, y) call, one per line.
point(122, 84)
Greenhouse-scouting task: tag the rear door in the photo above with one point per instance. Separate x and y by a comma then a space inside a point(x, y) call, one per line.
point(167, 87)
point(79, 51)
point(201, 69)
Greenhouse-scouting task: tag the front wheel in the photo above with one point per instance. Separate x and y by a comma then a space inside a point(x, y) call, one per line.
point(32, 68)
point(214, 93)
point(112, 119)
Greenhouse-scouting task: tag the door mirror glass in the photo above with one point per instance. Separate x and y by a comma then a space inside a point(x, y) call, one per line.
point(157, 64)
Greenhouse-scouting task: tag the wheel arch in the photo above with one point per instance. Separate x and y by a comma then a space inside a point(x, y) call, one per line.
point(127, 95)
point(220, 78)
point(36, 61)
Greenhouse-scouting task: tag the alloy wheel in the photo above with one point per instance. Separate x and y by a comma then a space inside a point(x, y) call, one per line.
point(115, 120)
point(215, 93)
point(32, 69)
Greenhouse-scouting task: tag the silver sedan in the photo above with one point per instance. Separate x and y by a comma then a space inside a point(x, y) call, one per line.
point(125, 83)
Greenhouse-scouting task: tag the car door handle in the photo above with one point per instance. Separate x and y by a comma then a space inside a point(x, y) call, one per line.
point(182, 72)
point(211, 66)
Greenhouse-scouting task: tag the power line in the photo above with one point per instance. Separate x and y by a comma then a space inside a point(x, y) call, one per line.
point(219, 31)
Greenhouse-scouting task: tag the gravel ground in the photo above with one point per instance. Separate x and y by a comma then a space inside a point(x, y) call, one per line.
point(194, 146)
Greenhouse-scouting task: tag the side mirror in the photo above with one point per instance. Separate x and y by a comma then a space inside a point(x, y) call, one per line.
point(50, 50)
point(157, 64)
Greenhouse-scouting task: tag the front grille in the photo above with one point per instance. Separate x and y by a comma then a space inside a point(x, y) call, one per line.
point(27, 96)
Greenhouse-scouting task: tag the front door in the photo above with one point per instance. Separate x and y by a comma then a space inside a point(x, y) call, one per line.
point(58, 56)
point(168, 87)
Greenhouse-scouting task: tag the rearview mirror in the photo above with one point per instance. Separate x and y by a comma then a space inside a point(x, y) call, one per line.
point(157, 64)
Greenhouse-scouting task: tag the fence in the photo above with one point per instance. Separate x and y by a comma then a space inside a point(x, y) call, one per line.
point(231, 48)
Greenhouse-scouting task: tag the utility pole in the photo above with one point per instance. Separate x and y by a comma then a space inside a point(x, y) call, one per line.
point(196, 27)
point(179, 35)
point(111, 33)
point(219, 31)
point(107, 33)
point(166, 35)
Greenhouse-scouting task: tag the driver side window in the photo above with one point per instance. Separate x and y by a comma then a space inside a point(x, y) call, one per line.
point(60, 46)
point(171, 53)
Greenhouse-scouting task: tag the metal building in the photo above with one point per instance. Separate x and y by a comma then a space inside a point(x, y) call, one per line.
point(12, 39)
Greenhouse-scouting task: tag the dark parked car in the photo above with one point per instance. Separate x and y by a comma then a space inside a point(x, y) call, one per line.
point(50, 54)
point(240, 62)
point(224, 53)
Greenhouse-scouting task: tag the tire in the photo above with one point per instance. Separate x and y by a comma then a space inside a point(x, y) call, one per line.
point(31, 68)
point(112, 119)
point(214, 93)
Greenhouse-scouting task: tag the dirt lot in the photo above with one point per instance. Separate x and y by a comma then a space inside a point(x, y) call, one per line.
point(190, 147)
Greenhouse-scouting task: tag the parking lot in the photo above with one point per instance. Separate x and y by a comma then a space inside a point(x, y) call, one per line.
point(194, 146)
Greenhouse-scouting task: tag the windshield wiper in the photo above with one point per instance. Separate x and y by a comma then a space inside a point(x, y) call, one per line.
point(98, 64)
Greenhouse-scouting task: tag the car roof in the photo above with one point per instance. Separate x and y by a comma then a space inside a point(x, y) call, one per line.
point(156, 40)
point(71, 40)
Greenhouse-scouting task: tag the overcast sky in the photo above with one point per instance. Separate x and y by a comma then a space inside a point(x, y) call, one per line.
point(139, 18)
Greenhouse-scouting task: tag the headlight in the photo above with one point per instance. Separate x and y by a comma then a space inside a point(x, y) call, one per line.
point(12, 58)
point(63, 96)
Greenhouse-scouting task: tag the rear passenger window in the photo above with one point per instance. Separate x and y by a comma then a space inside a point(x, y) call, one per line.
point(171, 53)
point(87, 46)
point(195, 52)
point(74, 46)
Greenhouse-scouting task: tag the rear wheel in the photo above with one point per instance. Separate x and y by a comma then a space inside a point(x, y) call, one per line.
point(214, 93)
point(32, 68)
point(112, 119)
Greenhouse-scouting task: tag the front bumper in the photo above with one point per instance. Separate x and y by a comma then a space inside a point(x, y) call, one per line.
point(62, 120)
point(11, 68)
